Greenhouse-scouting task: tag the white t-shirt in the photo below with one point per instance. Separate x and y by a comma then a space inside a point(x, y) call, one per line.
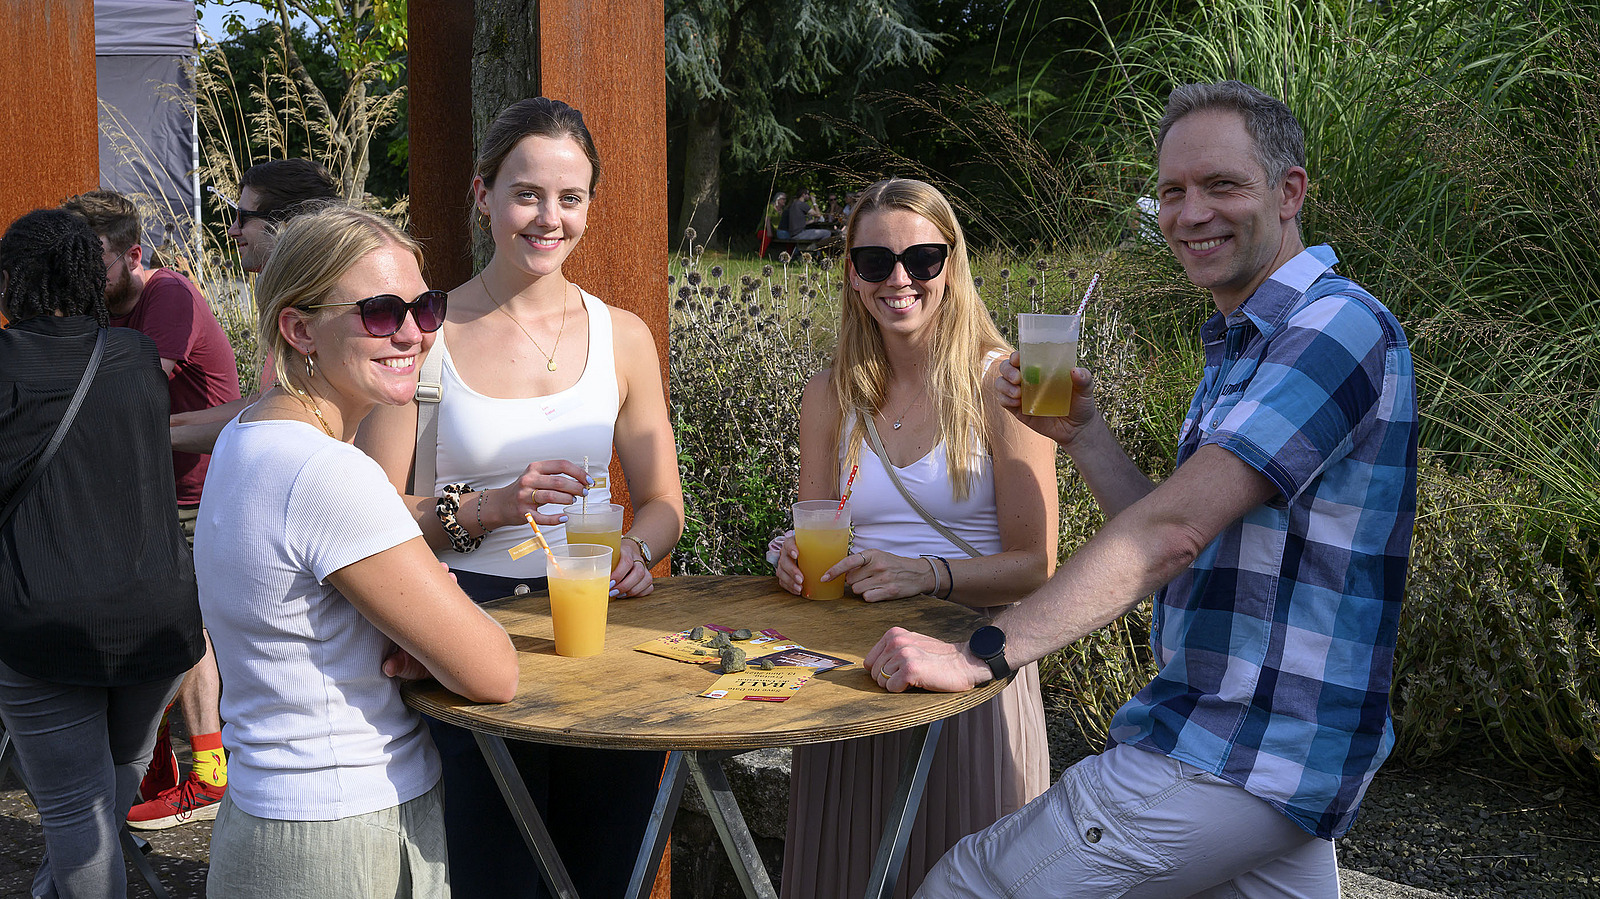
point(315, 731)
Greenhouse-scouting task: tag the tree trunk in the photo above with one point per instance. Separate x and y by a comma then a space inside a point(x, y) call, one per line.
point(505, 69)
point(702, 175)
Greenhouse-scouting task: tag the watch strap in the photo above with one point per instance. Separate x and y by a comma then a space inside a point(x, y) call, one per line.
point(644, 550)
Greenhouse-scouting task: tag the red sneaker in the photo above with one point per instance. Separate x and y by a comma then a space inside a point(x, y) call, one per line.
point(163, 773)
point(188, 801)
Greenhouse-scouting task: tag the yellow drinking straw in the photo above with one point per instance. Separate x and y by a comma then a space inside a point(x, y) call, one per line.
point(538, 542)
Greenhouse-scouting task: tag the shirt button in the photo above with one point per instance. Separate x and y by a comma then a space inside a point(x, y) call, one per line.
point(1092, 834)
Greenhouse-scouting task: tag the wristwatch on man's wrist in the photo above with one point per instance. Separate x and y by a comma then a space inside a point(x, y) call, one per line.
point(988, 643)
point(644, 550)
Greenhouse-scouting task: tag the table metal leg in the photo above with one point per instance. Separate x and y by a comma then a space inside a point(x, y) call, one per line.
point(526, 813)
point(659, 829)
point(903, 811)
point(133, 849)
point(724, 809)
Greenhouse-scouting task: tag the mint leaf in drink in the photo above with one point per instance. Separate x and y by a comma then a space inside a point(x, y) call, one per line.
point(1032, 374)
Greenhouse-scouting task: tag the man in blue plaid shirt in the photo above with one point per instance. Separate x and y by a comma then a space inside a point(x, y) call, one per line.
point(1277, 552)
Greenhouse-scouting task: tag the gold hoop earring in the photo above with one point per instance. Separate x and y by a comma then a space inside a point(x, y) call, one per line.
point(311, 368)
point(483, 223)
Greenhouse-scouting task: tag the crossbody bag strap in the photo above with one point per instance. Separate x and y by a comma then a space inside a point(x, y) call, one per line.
point(955, 540)
point(430, 390)
point(61, 429)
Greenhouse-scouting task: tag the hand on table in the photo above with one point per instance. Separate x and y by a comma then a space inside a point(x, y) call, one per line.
point(903, 659)
point(631, 577)
point(1063, 430)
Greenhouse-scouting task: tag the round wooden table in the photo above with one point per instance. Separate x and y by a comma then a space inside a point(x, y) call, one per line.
point(623, 699)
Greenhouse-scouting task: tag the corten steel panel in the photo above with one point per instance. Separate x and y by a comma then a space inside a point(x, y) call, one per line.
point(49, 143)
point(608, 58)
point(440, 85)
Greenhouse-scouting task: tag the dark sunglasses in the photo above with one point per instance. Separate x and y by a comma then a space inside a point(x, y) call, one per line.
point(243, 215)
point(923, 261)
point(383, 314)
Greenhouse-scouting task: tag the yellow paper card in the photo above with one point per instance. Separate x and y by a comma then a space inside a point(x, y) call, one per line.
point(523, 548)
point(760, 686)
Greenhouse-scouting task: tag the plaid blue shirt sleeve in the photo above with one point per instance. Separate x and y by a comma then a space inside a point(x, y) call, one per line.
point(1312, 392)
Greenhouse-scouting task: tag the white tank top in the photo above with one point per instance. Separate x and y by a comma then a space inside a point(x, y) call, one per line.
point(884, 520)
point(488, 442)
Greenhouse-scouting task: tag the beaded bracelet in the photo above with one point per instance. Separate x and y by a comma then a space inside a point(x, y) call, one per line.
point(447, 508)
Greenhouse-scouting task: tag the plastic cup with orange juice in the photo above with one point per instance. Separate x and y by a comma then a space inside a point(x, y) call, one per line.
point(822, 535)
point(596, 523)
point(580, 580)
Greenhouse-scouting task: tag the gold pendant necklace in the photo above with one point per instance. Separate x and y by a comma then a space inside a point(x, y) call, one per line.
point(907, 410)
point(550, 357)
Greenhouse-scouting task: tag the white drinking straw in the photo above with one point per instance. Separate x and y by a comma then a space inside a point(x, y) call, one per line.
point(1085, 304)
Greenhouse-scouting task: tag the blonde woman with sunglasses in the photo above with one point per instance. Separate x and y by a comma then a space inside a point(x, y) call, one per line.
point(916, 351)
point(320, 592)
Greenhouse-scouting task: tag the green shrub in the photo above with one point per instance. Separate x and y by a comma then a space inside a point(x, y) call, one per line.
point(1498, 634)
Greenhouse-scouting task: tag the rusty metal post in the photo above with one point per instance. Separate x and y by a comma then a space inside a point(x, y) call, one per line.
point(49, 122)
point(441, 144)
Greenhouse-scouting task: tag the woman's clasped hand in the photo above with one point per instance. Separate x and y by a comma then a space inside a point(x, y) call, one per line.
point(874, 574)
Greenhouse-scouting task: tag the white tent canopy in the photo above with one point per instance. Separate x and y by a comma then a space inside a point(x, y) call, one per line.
point(147, 128)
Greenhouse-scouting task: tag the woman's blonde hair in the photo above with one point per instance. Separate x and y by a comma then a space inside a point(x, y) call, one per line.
point(313, 252)
point(962, 334)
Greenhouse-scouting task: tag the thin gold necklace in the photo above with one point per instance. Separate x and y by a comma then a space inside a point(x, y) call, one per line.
point(550, 357)
point(306, 400)
point(907, 410)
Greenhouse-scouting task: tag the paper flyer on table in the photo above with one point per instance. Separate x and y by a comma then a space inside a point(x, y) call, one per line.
point(756, 685)
point(800, 657)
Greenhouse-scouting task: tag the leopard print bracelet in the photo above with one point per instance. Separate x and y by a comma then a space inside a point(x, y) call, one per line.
point(447, 507)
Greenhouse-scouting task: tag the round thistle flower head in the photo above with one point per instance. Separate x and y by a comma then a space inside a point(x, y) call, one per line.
point(766, 271)
point(826, 264)
point(978, 282)
point(707, 292)
point(1041, 263)
point(716, 271)
point(685, 292)
point(690, 234)
point(754, 310)
point(1033, 282)
point(1005, 274)
point(777, 291)
point(693, 278)
point(724, 292)
point(784, 257)
point(1072, 274)
point(671, 279)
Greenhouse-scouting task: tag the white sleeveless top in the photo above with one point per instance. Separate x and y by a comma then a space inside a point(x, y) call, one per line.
point(488, 442)
point(884, 520)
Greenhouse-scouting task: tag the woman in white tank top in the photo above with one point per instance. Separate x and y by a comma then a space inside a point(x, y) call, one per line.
point(915, 343)
point(537, 375)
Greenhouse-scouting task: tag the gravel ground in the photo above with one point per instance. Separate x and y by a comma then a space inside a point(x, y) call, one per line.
point(1465, 827)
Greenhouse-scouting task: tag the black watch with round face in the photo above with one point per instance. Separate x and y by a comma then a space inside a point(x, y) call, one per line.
point(988, 643)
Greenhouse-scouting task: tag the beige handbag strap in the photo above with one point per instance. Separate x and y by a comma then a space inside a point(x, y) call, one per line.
point(430, 390)
point(955, 540)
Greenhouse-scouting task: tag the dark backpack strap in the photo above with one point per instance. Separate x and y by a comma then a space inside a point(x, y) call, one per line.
point(61, 430)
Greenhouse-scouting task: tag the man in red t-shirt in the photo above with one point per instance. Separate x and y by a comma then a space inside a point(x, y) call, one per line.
point(201, 372)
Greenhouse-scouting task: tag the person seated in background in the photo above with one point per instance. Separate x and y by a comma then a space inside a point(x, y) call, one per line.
point(799, 221)
point(97, 590)
point(772, 222)
point(270, 194)
point(835, 214)
point(202, 373)
point(311, 573)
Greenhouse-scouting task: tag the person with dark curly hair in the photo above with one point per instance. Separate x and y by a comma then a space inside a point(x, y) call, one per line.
point(91, 652)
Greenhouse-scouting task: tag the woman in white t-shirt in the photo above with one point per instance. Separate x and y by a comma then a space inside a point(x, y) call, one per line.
point(535, 376)
point(915, 343)
point(320, 592)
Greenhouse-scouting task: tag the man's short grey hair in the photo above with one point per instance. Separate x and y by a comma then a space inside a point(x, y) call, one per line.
point(1280, 143)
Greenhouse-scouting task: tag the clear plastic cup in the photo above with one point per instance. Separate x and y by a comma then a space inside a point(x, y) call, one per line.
point(597, 523)
point(1049, 348)
point(579, 591)
point(822, 534)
